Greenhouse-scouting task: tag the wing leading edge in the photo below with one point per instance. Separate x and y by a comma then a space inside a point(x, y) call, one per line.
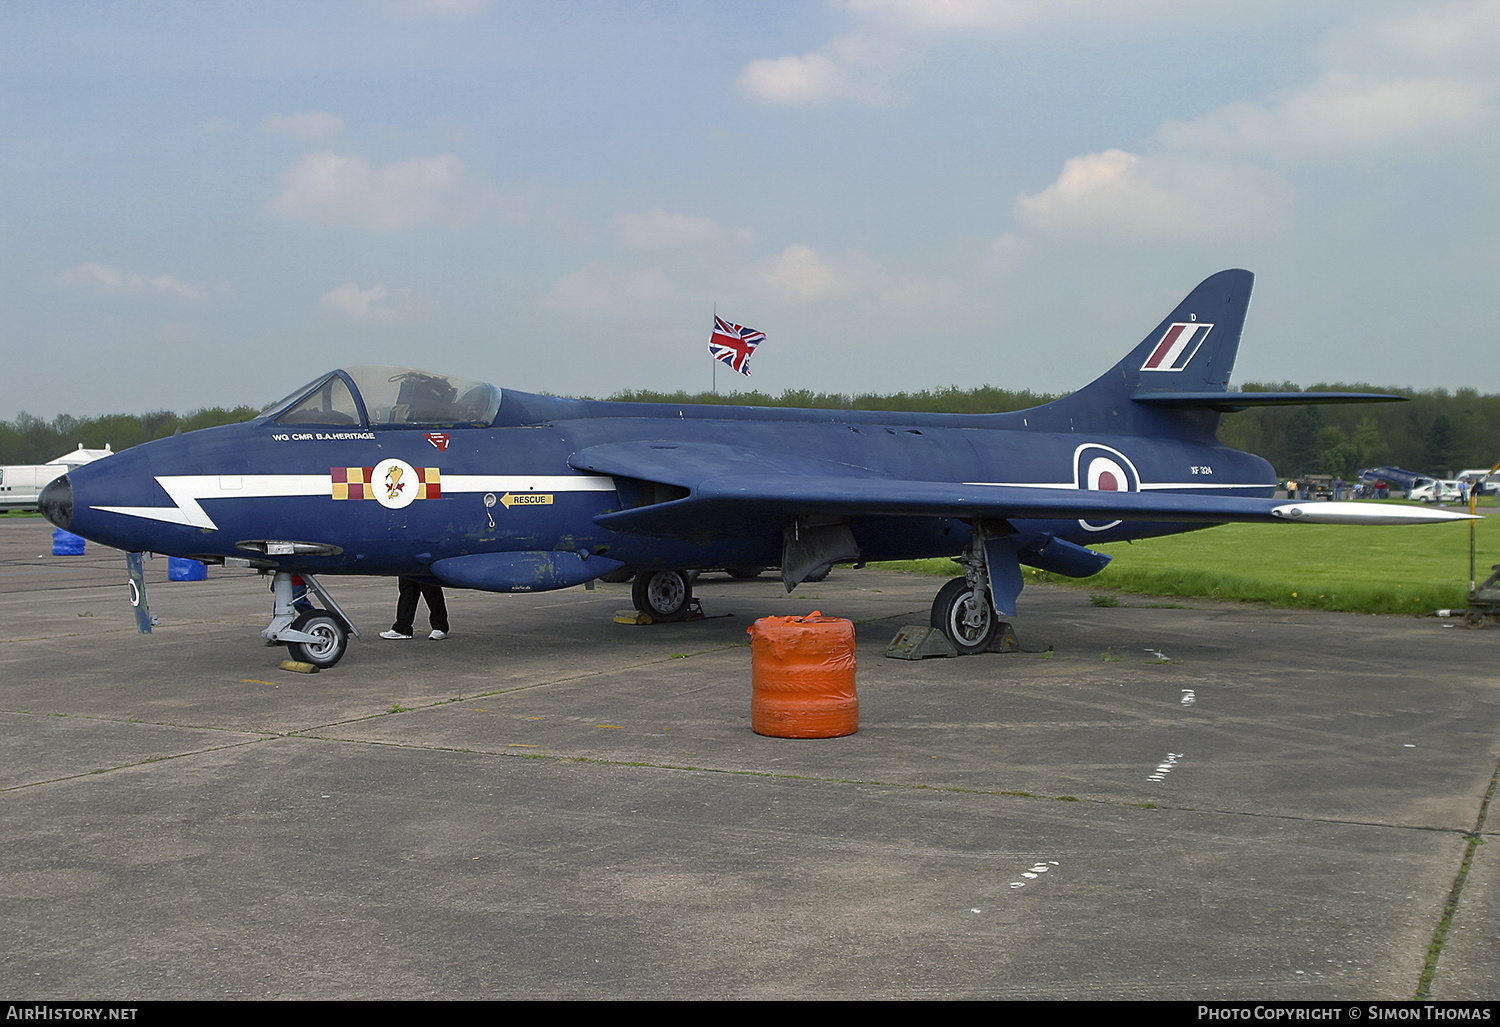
point(718, 504)
point(729, 491)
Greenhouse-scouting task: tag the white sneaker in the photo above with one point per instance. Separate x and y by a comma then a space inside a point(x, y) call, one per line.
point(393, 633)
point(438, 636)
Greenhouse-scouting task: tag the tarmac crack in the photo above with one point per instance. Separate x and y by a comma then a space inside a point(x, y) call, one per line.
point(1455, 894)
point(1473, 836)
point(303, 732)
point(97, 771)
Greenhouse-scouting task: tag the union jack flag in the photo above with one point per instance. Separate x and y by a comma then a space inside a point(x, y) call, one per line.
point(733, 344)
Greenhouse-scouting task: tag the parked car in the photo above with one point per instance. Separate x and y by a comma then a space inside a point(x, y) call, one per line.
point(1439, 490)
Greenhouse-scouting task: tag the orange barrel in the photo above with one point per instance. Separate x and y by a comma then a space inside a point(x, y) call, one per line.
point(803, 671)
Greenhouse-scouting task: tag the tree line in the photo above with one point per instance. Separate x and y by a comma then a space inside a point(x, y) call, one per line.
point(30, 440)
point(1435, 431)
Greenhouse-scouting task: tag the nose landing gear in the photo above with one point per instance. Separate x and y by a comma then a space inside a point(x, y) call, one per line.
point(318, 637)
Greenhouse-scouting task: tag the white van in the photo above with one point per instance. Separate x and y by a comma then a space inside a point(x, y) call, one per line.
point(1488, 483)
point(20, 484)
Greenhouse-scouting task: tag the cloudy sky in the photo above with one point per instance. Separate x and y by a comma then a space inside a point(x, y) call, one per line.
point(208, 203)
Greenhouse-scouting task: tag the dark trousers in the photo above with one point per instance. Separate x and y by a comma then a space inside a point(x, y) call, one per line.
point(406, 606)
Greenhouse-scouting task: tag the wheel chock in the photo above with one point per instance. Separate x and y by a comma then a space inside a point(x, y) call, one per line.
point(298, 666)
point(632, 617)
point(1004, 640)
point(919, 641)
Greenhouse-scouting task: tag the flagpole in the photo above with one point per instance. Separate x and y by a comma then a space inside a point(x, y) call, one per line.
point(715, 378)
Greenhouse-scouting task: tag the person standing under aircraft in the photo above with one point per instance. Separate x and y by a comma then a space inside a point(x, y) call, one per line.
point(406, 610)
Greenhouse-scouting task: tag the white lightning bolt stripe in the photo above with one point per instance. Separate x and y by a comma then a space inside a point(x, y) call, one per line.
point(527, 483)
point(1145, 485)
point(187, 490)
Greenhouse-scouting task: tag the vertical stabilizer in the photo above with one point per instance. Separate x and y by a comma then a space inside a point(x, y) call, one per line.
point(1191, 351)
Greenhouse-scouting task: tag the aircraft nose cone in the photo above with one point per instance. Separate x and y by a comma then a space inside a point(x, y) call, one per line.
point(56, 502)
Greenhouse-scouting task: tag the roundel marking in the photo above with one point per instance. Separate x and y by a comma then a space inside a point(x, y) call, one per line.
point(1105, 475)
point(395, 484)
point(1102, 469)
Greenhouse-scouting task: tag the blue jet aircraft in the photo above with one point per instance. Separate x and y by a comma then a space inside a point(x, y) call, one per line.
point(396, 471)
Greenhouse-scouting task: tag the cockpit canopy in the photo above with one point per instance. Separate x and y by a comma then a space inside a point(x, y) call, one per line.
point(378, 396)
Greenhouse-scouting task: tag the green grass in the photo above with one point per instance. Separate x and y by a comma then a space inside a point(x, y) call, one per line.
point(1404, 569)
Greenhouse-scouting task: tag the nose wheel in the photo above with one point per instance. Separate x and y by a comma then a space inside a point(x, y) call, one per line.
point(318, 637)
point(331, 639)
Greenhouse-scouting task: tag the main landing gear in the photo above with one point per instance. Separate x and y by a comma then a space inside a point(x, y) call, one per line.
point(966, 615)
point(967, 610)
point(663, 595)
point(964, 609)
point(318, 637)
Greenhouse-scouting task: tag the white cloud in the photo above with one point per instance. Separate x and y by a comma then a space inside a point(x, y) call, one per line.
point(437, 8)
point(956, 15)
point(890, 37)
point(166, 283)
point(1130, 197)
point(363, 305)
point(334, 188)
point(598, 288)
point(113, 281)
point(801, 274)
point(1007, 253)
point(1392, 89)
point(1450, 36)
point(853, 67)
point(919, 292)
point(311, 125)
point(1337, 113)
point(660, 228)
point(811, 78)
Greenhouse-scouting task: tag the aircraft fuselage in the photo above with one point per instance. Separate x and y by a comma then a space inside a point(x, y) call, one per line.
point(208, 493)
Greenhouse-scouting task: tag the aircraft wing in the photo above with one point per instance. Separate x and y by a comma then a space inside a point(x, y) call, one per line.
point(730, 490)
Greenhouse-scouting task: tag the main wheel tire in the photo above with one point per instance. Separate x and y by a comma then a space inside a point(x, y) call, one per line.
point(664, 595)
point(333, 639)
point(743, 572)
point(967, 618)
point(618, 577)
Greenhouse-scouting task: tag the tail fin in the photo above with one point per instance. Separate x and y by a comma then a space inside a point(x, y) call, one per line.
point(1191, 353)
